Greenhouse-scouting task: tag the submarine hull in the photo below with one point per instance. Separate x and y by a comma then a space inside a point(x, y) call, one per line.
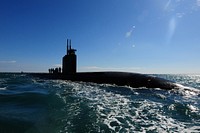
point(134, 80)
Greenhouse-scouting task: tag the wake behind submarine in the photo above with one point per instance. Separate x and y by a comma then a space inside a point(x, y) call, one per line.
point(135, 80)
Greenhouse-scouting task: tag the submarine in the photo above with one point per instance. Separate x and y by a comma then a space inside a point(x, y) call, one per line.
point(135, 80)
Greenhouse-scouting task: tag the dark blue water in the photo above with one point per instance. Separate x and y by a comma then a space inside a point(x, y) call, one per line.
point(32, 105)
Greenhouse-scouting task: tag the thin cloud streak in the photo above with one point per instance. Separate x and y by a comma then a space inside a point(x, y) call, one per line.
point(57, 65)
point(171, 29)
point(198, 2)
point(96, 68)
point(167, 5)
point(8, 62)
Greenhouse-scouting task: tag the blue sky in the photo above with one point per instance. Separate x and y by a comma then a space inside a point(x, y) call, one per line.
point(146, 36)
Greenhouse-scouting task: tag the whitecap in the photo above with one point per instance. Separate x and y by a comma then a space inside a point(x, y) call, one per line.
point(3, 88)
point(187, 91)
point(121, 113)
point(192, 108)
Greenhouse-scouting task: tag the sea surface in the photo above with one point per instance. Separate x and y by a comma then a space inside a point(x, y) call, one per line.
point(32, 105)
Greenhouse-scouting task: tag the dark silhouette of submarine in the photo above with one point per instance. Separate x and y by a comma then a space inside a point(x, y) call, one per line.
point(135, 80)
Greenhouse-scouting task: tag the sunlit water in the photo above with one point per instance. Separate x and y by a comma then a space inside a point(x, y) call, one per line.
point(29, 104)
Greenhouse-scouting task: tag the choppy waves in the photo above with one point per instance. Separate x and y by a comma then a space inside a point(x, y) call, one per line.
point(33, 105)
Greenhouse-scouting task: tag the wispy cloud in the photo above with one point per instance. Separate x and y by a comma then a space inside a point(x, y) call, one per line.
point(129, 33)
point(180, 15)
point(176, 6)
point(57, 65)
point(91, 67)
point(167, 5)
point(198, 3)
point(195, 6)
point(96, 68)
point(8, 62)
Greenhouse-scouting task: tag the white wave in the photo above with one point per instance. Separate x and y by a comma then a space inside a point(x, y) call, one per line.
point(187, 91)
point(192, 108)
point(3, 88)
point(121, 113)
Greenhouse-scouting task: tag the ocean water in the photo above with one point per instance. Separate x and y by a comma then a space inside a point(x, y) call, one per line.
point(32, 105)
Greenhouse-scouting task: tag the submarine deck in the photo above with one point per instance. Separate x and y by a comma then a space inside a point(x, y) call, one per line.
point(118, 78)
